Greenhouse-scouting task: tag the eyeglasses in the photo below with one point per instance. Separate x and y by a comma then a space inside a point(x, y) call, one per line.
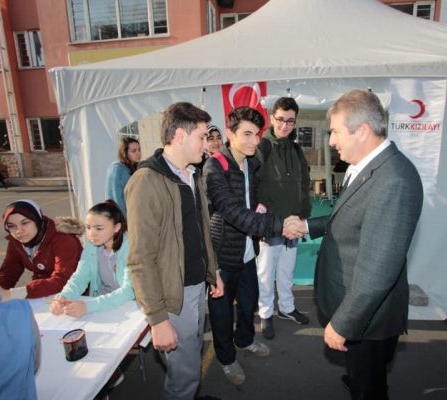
point(281, 121)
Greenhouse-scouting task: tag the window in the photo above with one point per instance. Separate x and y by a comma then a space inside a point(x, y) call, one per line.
point(230, 19)
point(421, 9)
point(116, 19)
point(130, 130)
point(5, 144)
point(306, 137)
point(45, 134)
point(211, 18)
point(29, 49)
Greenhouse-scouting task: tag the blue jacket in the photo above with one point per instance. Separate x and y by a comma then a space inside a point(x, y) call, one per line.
point(87, 273)
point(117, 176)
point(17, 351)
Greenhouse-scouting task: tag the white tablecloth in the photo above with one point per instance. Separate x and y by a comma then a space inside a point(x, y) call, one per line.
point(110, 335)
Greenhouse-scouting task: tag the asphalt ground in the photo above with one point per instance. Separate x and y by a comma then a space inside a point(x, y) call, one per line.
point(299, 367)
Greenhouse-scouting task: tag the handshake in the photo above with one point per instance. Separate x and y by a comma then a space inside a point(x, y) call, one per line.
point(294, 227)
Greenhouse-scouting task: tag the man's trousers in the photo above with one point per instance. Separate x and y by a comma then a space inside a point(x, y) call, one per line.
point(183, 364)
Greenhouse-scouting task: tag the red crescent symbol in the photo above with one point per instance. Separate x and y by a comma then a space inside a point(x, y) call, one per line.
point(241, 86)
point(421, 112)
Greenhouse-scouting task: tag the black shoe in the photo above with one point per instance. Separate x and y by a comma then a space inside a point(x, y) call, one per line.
point(346, 382)
point(268, 331)
point(294, 316)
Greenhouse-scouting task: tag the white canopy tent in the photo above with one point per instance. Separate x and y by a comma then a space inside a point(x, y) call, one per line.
point(316, 50)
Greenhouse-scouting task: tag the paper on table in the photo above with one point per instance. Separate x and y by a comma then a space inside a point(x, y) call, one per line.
point(96, 322)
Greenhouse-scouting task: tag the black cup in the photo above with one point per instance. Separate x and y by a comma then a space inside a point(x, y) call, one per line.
point(75, 344)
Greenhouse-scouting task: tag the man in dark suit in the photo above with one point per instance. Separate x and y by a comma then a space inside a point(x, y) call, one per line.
point(361, 274)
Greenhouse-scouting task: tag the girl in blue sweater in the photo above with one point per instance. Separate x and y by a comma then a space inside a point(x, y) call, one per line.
point(119, 172)
point(102, 266)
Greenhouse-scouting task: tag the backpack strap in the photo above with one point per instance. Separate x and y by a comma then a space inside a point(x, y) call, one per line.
point(222, 160)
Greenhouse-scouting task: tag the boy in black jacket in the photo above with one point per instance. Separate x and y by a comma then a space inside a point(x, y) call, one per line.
point(235, 224)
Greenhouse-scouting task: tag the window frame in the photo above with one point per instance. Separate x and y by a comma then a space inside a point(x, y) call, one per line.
point(30, 49)
point(88, 33)
point(41, 135)
point(31, 137)
point(415, 5)
point(235, 15)
point(9, 136)
point(211, 17)
point(300, 135)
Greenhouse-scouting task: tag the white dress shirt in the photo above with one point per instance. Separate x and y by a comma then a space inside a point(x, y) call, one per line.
point(354, 170)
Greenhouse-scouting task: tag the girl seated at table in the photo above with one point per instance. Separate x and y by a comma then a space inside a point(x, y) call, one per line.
point(102, 267)
point(49, 249)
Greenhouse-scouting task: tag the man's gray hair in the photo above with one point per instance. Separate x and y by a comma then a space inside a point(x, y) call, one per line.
point(361, 107)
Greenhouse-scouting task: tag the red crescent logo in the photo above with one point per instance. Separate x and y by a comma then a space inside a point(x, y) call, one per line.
point(239, 93)
point(421, 112)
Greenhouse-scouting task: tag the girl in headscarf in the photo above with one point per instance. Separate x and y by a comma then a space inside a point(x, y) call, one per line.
point(49, 249)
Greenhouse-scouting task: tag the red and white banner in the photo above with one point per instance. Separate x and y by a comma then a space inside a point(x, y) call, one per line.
point(244, 94)
point(416, 118)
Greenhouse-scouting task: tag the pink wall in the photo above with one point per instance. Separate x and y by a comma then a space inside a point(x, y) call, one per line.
point(55, 31)
point(34, 89)
point(184, 21)
point(23, 14)
point(243, 6)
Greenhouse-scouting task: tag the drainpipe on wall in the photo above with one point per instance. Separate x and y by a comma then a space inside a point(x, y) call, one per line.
point(14, 124)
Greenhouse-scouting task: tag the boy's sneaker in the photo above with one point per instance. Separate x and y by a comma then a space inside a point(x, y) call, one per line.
point(294, 316)
point(268, 331)
point(257, 348)
point(234, 373)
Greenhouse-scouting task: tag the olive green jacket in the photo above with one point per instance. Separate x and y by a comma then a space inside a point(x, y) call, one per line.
point(283, 176)
point(156, 252)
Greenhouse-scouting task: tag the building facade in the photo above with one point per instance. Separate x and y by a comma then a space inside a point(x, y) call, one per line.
point(37, 35)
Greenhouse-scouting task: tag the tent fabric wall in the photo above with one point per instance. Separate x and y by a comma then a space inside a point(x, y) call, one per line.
point(318, 49)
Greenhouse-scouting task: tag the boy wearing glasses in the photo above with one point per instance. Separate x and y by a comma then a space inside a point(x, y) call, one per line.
point(284, 190)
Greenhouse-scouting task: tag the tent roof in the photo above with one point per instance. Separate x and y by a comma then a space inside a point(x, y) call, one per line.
point(285, 39)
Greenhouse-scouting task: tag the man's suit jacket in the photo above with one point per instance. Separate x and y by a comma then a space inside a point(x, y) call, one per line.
point(361, 277)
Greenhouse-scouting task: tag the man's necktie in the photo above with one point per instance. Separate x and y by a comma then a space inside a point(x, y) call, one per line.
point(345, 183)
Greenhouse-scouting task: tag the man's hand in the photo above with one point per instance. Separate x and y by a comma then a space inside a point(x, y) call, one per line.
point(218, 290)
point(6, 294)
point(333, 339)
point(164, 336)
point(294, 227)
point(75, 309)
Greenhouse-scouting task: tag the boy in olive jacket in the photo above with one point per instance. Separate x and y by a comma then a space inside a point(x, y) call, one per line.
point(170, 252)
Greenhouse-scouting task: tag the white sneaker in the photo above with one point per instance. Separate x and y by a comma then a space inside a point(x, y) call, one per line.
point(258, 348)
point(234, 373)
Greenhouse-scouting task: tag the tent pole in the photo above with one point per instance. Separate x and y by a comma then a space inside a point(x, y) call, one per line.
point(67, 171)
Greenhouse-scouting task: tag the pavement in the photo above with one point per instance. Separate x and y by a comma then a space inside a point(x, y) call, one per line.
point(300, 366)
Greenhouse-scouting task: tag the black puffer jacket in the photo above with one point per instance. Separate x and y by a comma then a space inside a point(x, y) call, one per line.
point(231, 220)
